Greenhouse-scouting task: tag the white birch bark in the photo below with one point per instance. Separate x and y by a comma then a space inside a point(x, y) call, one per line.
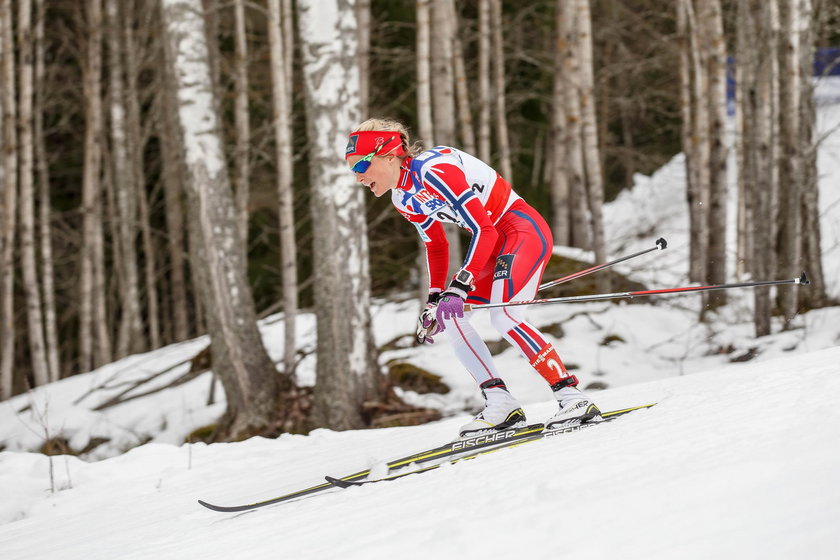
point(243, 125)
point(580, 232)
point(424, 115)
point(589, 130)
point(363, 19)
point(442, 74)
point(45, 209)
point(346, 366)
point(484, 34)
point(500, 105)
point(424, 74)
point(462, 87)
point(239, 357)
point(172, 171)
point(31, 283)
point(560, 215)
point(712, 22)
point(816, 295)
point(791, 183)
point(281, 93)
point(8, 214)
point(130, 334)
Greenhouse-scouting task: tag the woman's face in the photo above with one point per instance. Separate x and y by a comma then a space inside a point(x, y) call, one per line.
point(382, 175)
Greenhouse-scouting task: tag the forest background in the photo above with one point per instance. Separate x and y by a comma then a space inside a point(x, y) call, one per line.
point(173, 168)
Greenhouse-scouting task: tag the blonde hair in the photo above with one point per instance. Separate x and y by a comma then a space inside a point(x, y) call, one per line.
point(390, 125)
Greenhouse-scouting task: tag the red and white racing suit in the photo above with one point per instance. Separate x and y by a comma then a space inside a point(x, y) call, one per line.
point(510, 247)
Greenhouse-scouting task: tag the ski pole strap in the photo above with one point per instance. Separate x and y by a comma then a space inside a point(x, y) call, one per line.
point(661, 245)
point(802, 280)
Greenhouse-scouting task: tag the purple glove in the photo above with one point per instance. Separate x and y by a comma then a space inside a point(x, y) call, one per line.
point(451, 305)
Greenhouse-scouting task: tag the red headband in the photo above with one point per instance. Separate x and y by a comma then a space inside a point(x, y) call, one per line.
point(364, 142)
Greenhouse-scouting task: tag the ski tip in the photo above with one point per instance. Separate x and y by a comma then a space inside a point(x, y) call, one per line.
point(215, 507)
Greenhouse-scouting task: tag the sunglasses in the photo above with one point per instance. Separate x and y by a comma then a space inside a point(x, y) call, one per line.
point(363, 164)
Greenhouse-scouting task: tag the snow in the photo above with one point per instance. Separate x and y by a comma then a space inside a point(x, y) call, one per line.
point(737, 460)
point(727, 464)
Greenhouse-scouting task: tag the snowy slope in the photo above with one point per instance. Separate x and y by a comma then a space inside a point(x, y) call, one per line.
point(740, 462)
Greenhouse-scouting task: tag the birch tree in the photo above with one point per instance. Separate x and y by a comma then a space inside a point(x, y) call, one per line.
point(791, 177)
point(94, 339)
point(462, 88)
point(130, 335)
point(756, 51)
point(423, 60)
point(239, 358)
point(45, 208)
point(574, 162)
point(8, 214)
point(243, 126)
point(715, 41)
point(589, 130)
point(500, 106)
point(560, 215)
point(484, 33)
point(346, 356)
point(703, 106)
point(694, 85)
point(816, 295)
point(31, 283)
point(281, 105)
point(172, 176)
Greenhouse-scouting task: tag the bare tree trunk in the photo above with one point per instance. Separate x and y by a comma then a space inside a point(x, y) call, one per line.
point(243, 126)
point(31, 284)
point(91, 345)
point(712, 25)
point(462, 88)
point(443, 103)
point(424, 115)
point(281, 84)
point(172, 162)
point(442, 74)
point(589, 129)
point(755, 51)
point(791, 184)
point(8, 214)
point(484, 34)
point(815, 296)
point(363, 19)
point(697, 136)
point(560, 196)
point(744, 76)
point(347, 372)
point(499, 90)
point(45, 209)
point(580, 234)
point(130, 333)
point(136, 51)
point(424, 76)
point(239, 357)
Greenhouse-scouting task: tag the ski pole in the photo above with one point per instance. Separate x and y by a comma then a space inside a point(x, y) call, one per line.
point(803, 280)
point(661, 245)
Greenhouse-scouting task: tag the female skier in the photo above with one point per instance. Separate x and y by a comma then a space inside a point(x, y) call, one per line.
point(510, 247)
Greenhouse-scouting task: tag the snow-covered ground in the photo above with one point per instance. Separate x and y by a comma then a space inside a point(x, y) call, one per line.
point(741, 462)
point(737, 460)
